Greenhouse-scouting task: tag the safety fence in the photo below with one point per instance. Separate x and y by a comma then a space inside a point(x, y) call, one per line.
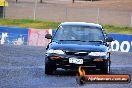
point(36, 37)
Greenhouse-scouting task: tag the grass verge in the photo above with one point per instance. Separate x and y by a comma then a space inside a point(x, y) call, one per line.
point(28, 23)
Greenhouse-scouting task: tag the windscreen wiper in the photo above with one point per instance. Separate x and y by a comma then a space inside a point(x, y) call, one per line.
point(97, 41)
point(73, 40)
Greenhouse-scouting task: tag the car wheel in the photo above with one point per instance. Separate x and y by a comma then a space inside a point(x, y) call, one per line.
point(105, 69)
point(108, 67)
point(49, 68)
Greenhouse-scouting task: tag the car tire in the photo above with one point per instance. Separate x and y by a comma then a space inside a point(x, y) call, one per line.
point(105, 69)
point(49, 68)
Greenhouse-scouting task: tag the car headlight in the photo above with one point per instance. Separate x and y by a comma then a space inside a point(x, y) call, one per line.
point(55, 51)
point(97, 54)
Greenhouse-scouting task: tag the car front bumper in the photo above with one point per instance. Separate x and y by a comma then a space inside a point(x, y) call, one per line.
point(89, 62)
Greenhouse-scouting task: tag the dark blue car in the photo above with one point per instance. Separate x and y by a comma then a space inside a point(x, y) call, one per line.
point(77, 44)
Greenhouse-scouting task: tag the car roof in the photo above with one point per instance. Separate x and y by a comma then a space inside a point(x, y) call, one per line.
point(80, 24)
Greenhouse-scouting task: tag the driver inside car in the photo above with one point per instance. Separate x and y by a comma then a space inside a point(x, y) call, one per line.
point(69, 35)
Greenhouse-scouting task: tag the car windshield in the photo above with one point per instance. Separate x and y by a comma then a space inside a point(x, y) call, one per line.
point(79, 33)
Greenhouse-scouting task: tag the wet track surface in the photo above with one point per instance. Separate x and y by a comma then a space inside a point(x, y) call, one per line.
point(23, 67)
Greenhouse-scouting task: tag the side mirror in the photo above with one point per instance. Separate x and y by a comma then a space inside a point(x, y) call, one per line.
point(48, 36)
point(109, 39)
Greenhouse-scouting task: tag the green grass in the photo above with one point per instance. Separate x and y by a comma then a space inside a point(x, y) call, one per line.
point(28, 23)
point(117, 29)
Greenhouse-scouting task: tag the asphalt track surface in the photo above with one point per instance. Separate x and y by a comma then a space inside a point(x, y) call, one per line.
point(23, 67)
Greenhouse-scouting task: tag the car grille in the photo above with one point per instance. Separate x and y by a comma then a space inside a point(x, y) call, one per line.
point(76, 53)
